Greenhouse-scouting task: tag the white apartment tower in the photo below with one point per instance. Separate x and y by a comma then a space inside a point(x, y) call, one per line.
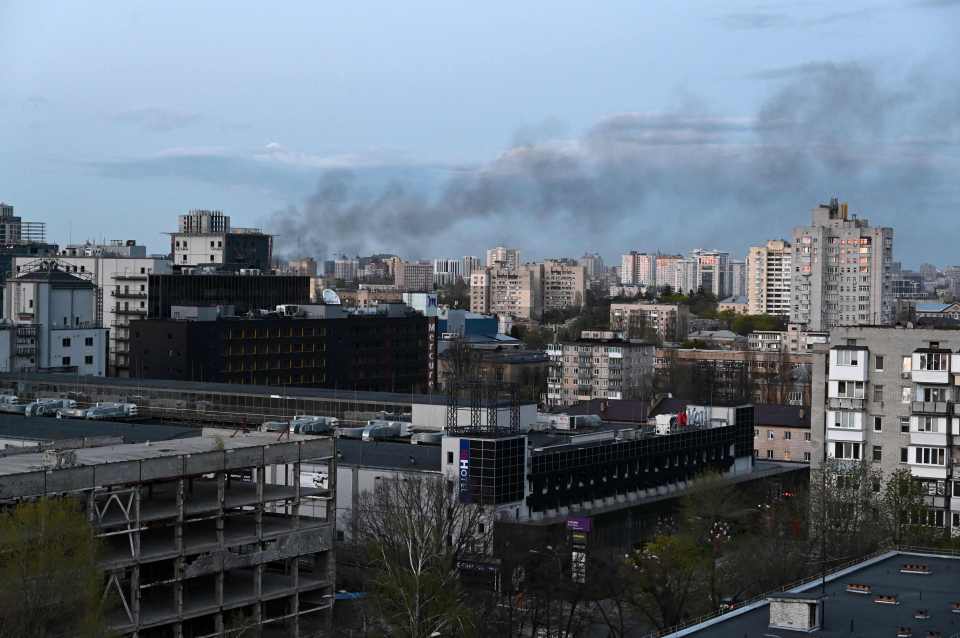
point(638, 269)
point(769, 278)
point(841, 271)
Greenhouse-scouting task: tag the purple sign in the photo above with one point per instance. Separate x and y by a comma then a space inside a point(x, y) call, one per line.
point(580, 524)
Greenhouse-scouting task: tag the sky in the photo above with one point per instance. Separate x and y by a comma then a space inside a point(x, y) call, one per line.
point(439, 129)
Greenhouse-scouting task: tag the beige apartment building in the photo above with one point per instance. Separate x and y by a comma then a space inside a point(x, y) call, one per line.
point(564, 285)
point(668, 320)
point(599, 365)
point(501, 291)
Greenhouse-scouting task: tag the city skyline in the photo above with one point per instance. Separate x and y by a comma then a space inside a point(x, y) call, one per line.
point(532, 145)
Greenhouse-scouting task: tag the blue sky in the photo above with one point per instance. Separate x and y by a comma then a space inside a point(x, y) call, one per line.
point(439, 128)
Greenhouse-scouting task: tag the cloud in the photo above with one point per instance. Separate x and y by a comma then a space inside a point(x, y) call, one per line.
point(156, 119)
point(762, 19)
point(825, 129)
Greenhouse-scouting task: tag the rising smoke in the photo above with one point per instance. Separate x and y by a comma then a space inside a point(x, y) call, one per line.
point(641, 180)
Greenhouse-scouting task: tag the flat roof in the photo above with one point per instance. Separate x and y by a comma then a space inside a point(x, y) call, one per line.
point(74, 382)
point(46, 428)
point(394, 455)
point(847, 614)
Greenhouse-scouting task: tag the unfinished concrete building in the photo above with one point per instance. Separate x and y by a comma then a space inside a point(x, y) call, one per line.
point(199, 538)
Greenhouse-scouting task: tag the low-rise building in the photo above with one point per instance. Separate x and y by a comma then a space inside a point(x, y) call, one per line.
point(313, 346)
point(51, 323)
point(782, 433)
point(800, 340)
point(599, 365)
point(736, 305)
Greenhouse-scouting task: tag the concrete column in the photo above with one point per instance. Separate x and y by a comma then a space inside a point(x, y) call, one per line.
point(221, 501)
point(261, 476)
point(296, 495)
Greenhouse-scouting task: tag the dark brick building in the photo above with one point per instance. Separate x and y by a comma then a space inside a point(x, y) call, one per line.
point(354, 352)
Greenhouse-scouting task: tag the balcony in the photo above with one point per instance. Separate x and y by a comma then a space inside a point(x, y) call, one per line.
point(846, 403)
point(848, 364)
point(133, 294)
point(928, 471)
point(930, 407)
point(130, 277)
point(845, 434)
point(135, 312)
point(935, 439)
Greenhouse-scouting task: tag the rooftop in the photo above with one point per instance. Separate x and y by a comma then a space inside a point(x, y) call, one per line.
point(43, 428)
point(857, 615)
point(137, 386)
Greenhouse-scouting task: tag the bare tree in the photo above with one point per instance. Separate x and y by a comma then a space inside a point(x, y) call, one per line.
point(50, 584)
point(414, 531)
point(844, 509)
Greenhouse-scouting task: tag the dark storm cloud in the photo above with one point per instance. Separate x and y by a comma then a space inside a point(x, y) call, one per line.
point(826, 128)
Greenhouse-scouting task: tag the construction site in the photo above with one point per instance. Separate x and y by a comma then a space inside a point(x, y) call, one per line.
point(201, 536)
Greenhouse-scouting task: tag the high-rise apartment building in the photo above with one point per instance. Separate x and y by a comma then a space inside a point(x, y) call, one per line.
point(345, 269)
point(447, 271)
point(500, 291)
point(13, 230)
point(738, 278)
point(413, 276)
point(593, 264)
point(841, 271)
point(205, 238)
point(667, 268)
point(888, 396)
point(503, 258)
point(564, 285)
point(468, 264)
point(600, 365)
point(713, 271)
point(769, 278)
point(638, 269)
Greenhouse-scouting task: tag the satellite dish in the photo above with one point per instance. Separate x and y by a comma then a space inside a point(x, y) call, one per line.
point(330, 297)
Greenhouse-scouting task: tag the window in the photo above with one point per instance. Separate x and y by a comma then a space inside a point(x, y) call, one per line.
point(787, 436)
point(66, 342)
point(904, 455)
point(449, 458)
point(878, 363)
point(845, 420)
point(756, 452)
point(65, 361)
point(211, 257)
point(904, 424)
point(904, 395)
point(850, 389)
point(211, 243)
point(847, 357)
point(933, 361)
point(806, 457)
point(934, 394)
point(845, 450)
point(88, 341)
point(770, 435)
point(878, 424)
point(756, 433)
point(786, 455)
point(88, 359)
point(769, 454)
point(907, 365)
point(877, 453)
point(956, 489)
point(806, 436)
point(878, 394)
point(927, 424)
point(928, 455)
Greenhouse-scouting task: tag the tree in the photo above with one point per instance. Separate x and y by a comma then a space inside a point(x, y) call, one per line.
point(902, 505)
point(50, 584)
point(414, 531)
point(455, 295)
point(661, 577)
point(844, 509)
